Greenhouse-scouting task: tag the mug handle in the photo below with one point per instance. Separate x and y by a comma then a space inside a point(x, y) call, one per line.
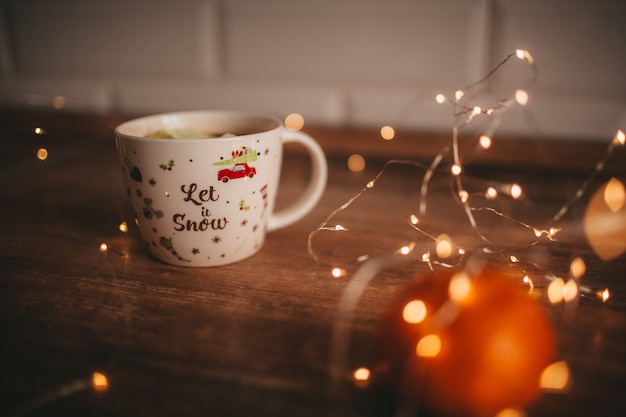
point(313, 192)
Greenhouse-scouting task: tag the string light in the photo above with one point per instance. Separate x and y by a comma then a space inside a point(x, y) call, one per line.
point(38, 131)
point(537, 277)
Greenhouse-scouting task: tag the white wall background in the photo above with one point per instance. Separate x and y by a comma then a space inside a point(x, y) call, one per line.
point(337, 62)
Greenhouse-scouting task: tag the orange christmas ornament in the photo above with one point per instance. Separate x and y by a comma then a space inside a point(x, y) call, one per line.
point(466, 344)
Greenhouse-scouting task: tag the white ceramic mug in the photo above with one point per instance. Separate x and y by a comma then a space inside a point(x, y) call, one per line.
point(210, 202)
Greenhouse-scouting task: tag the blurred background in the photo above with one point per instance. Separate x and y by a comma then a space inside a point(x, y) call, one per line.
point(336, 62)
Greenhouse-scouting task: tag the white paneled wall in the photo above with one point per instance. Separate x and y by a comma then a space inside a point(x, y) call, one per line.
point(337, 62)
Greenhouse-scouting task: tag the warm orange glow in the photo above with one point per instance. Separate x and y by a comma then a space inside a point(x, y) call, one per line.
point(604, 295)
point(459, 287)
point(464, 196)
point(414, 311)
point(123, 227)
point(414, 219)
point(387, 132)
point(294, 121)
point(491, 193)
point(356, 163)
point(42, 154)
point(429, 346)
point(614, 195)
point(485, 141)
point(38, 131)
point(456, 169)
point(521, 96)
point(444, 246)
point(405, 250)
point(555, 377)
point(338, 272)
point(578, 267)
point(511, 412)
point(555, 291)
point(620, 137)
point(104, 247)
point(605, 221)
point(476, 357)
point(362, 374)
point(99, 381)
point(516, 191)
point(570, 290)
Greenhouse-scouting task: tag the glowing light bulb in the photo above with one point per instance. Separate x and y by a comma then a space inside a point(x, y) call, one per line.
point(577, 267)
point(338, 272)
point(458, 94)
point(464, 196)
point(485, 141)
point(42, 154)
point(414, 311)
point(440, 98)
point(38, 131)
point(516, 191)
point(428, 346)
point(361, 374)
point(620, 137)
point(556, 377)
point(387, 132)
point(456, 169)
point(370, 184)
point(528, 281)
point(99, 381)
point(555, 291)
point(491, 193)
point(570, 291)
point(356, 163)
point(104, 247)
point(414, 219)
point(443, 246)
point(459, 287)
point(521, 96)
point(340, 228)
point(604, 295)
point(477, 110)
point(520, 53)
point(405, 250)
point(294, 121)
point(123, 227)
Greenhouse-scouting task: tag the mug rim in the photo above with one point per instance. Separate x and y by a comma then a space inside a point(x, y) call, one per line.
point(120, 129)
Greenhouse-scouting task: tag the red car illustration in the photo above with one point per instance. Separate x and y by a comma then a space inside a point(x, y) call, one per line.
point(236, 171)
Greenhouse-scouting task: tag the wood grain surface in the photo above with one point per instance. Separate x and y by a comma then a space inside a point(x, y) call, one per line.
point(252, 338)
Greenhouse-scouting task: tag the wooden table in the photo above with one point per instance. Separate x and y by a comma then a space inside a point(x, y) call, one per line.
point(251, 338)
